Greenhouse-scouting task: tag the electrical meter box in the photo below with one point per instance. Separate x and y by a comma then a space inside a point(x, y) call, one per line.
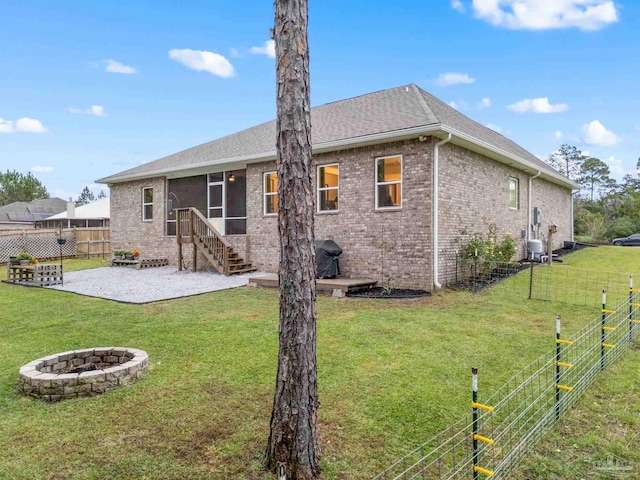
point(537, 216)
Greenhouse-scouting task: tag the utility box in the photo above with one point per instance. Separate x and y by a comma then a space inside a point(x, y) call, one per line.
point(537, 216)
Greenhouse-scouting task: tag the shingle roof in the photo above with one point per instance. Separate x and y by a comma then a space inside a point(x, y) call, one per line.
point(31, 211)
point(386, 111)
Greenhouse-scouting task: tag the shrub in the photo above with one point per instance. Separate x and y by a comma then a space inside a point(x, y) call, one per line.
point(490, 249)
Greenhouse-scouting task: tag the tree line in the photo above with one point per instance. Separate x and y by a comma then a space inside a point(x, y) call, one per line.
point(604, 208)
point(19, 187)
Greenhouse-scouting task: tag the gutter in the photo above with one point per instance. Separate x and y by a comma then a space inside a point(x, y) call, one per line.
point(434, 226)
point(394, 135)
point(529, 203)
point(561, 179)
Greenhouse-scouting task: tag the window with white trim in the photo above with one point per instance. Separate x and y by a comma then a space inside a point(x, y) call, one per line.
point(270, 185)
point(513, 193)
point(328, 187)
point(389, 182)
point(147, 204)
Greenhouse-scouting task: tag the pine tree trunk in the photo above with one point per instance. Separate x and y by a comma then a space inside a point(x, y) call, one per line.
point(293, 440)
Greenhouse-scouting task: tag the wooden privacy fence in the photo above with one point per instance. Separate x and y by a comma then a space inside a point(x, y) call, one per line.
point(83, 242)
point(93, 242)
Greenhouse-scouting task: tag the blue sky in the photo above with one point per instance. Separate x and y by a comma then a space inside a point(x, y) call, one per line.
point(89, 88)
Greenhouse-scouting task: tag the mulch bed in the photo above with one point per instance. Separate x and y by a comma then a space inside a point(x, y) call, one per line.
point(386, 293)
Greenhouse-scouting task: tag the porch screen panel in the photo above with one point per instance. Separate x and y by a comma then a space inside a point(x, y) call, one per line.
point(184, 193)
point(236, 202)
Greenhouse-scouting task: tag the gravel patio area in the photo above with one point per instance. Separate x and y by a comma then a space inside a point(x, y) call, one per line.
point(147, 285)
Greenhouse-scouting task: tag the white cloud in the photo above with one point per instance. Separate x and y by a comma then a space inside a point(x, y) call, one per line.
point(547, 14)
point(203, 61)
point(538, 105)
point(595, 133)
point(617, 169)
point(457, 5)
point(24, 124)
point(451, 78)
point(484, 103)
point(453, 104)
point(93, 110)
point(269, 49)
point(6, 126)
point(41, 169)
point(558, 134)
point(96, 111)
point(117, 67)
point(494, 127)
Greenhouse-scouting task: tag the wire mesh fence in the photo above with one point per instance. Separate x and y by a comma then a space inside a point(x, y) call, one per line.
point(497, 433)
point(560, 283)
point(477, 273)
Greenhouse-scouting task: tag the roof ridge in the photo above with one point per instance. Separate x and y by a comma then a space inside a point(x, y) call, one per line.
point(362, 95)
point(423, 103)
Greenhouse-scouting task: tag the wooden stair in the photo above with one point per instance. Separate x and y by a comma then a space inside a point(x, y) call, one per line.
point(194, 228)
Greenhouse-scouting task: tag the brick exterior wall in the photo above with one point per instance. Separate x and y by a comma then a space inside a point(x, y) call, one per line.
point(375, 244)
point(474, 193)
point(129, 231)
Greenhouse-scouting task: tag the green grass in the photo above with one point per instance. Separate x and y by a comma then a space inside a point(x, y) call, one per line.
point(391, 375)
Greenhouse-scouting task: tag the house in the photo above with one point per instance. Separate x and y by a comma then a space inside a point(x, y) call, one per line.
point(400, 176)
point(24, 215)
point(95, 214)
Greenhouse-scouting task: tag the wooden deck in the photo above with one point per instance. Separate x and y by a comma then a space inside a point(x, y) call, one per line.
point(270, 280)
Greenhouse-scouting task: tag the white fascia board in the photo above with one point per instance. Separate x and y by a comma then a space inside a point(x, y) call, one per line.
point(242, 161)
point(396, 135)
point(507, 158)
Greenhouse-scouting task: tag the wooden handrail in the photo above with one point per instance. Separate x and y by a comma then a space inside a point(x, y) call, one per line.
point(192, 225)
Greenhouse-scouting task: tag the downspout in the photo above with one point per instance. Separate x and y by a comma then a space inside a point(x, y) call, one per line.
point(572, 226)
point(434, 227)
point(529, 204)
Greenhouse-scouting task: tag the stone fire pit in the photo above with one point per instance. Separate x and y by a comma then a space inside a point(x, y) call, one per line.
point(82, 373)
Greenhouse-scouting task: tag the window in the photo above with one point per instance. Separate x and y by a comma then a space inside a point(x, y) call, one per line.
point(270, 181)
point(328, 186)
point(389, 182)
point(147, 204)
point(513, 193)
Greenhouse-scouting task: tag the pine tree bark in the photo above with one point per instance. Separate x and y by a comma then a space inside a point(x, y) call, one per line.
point(293, 440)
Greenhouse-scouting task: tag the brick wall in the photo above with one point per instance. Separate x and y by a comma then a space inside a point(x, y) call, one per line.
point(474, 193)
point(129, 231)
point(375, 244)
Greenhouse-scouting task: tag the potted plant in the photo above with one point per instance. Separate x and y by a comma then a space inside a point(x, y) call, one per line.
point(119, 254)
point(24, 258)
point(135, 252)
point(128, 255)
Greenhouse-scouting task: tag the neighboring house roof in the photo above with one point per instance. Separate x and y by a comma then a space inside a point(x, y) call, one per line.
point(384, 116)
point(27, 212)
point(92, 211)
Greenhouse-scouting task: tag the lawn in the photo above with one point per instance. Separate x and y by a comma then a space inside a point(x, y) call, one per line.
point(391, 375)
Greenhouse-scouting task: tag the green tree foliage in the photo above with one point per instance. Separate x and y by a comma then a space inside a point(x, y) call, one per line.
point(609, 209)
point(567, 160)
point(86, 196)
point(101, 195)
point(17, 187)
point(593, 172)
